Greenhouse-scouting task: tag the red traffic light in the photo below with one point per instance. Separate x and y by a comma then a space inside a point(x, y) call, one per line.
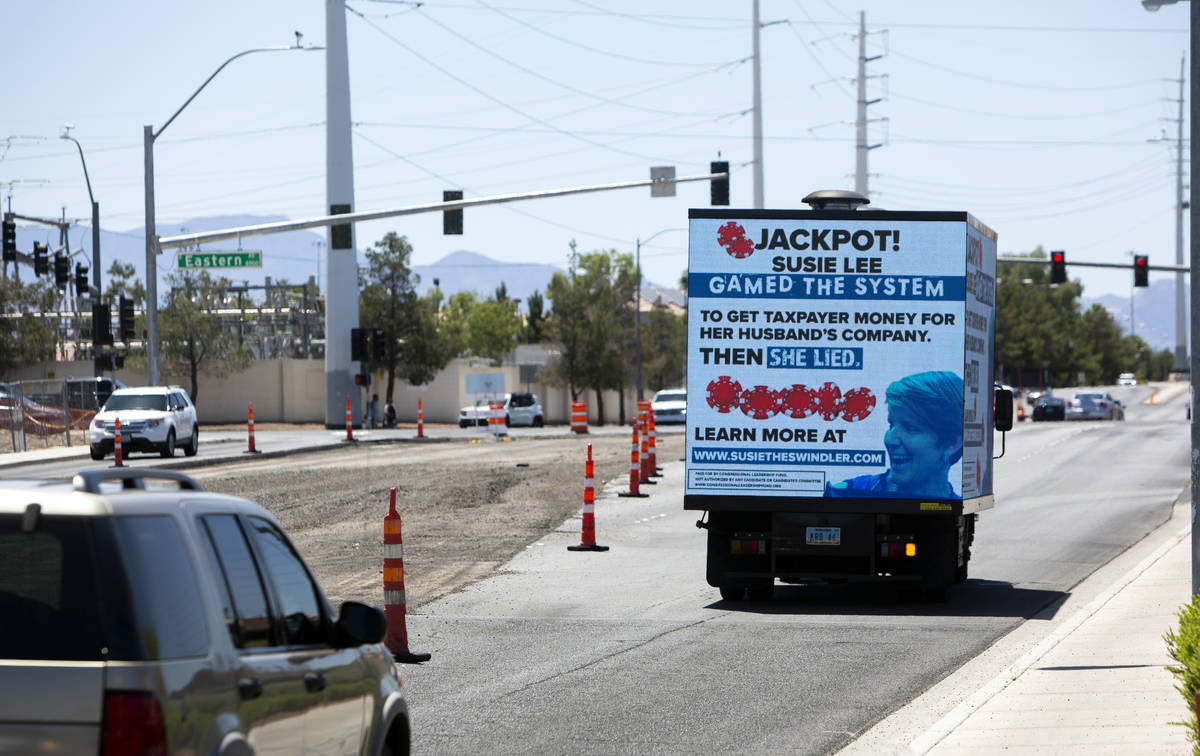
point(1056, 257)
point(1141, 270)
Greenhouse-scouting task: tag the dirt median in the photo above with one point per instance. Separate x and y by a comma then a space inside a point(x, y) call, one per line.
point(467, 507)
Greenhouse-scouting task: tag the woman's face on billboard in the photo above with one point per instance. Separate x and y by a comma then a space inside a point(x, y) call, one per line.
point(918, 459)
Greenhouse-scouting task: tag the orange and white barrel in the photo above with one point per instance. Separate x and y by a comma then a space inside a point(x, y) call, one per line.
point(579, 417)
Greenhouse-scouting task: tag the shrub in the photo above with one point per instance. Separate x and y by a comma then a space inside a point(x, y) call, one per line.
point(1183, 645)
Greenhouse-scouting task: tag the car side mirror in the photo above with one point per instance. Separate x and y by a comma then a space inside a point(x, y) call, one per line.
point(1003, 410)
point(360, 623)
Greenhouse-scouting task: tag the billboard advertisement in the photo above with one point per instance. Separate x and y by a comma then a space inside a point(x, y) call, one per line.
point(832, 356)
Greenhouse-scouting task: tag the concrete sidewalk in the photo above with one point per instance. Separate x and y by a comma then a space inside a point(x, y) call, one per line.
point(1089, 678)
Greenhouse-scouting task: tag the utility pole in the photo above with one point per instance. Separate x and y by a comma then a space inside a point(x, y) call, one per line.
point(860, 121)
point(758, 150)
point(1181, 360)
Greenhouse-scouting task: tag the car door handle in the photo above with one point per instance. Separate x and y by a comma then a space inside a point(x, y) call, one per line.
point(249, 688)
point(314, 682)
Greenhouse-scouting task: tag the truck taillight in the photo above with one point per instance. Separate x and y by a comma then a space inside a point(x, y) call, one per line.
point(747, 546)
point(897, 549)
point(133, 724)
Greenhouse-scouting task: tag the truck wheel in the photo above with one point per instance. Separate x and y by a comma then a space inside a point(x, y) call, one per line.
point(730, 592)
point(762, 591)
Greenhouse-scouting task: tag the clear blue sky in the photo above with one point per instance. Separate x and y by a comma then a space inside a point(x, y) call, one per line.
point(1034, 116)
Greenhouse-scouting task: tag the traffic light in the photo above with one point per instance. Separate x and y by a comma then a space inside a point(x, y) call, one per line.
point(103, 316)
point(41, 259)
point(452, 219)
point(1058, 267)
point(1141, 270)
point(358, 344)
point(378, 345)
point(81, 279)
point(62, 271)
point(10, 240)
point(362, 379)
point(719, 189)
point(125, 315)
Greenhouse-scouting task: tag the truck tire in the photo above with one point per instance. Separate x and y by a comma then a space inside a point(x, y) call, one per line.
point(966, 535)
point(938, 573)
point(763, 590)
point(731, 592)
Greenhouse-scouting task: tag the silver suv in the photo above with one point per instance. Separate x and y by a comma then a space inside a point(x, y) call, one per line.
point(163, 619)
point(153, 419)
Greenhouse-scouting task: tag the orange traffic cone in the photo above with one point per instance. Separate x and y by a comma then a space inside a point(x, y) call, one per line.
point(250, 449)
point(1020, 412)
point(634, 468)
point(394, 605)
point(587, 540)
point(117, 462)
point(349, 423)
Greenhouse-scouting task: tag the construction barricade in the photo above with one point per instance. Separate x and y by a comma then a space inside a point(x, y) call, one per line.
point(579, 417)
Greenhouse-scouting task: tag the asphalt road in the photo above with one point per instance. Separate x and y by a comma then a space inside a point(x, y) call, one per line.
point(631, 651)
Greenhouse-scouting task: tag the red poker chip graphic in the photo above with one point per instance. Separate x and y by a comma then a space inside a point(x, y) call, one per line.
point(733, 238)
point(827, 401)
point(758, 402)
point(795, 401)
point(857, 404)
point(724, 393)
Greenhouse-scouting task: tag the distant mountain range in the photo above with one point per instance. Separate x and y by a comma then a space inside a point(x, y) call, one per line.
point(292, 256)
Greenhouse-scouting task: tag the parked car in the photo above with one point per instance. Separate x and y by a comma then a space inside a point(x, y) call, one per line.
point(153, 419)
point(149, 618)
point(1126, 379)
point(519, 409)
point(1050, 408)
point(1094, 405)
point(669, 406)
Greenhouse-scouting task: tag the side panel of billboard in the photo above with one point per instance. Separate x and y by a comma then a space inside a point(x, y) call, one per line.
point(827, 356)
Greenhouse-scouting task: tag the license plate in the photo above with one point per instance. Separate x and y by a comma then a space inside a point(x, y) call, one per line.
point(823, 536)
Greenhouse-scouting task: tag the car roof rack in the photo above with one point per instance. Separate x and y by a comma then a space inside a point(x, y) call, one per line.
point(89, 481)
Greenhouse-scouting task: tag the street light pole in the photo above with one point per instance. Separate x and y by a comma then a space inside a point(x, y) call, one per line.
point(96, 329)
point(152, 249)
point(637, 307)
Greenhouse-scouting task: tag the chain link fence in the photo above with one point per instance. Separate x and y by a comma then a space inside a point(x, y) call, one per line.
point(46, 413)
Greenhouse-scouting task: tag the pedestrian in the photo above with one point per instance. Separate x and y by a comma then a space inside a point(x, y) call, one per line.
point(372, 413)
point(389, 414)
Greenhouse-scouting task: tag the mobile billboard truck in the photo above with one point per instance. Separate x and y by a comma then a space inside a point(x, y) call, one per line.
point(840, 393)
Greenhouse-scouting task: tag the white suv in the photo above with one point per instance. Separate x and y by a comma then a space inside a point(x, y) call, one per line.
point(153, 419)
point(144, 615)
point(519, 409)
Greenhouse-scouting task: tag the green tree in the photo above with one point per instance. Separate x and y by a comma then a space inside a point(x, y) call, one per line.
point(493, 328)
point(123, 281)
point(387, 299)
point(664, 348)
point(535, 322)
point(1036, 323)
point(427, 348)
point(591, 319)
point(191, 337)
point(25, 337)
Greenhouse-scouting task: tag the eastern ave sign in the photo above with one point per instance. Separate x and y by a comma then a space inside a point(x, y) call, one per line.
point(235, 259)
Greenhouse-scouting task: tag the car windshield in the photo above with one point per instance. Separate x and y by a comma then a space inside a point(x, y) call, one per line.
point(1050, 401)
point(670, 396)
point(1088, 397)
point(136, 402)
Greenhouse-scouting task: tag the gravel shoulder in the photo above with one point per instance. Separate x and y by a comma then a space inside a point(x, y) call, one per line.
point(466, 507)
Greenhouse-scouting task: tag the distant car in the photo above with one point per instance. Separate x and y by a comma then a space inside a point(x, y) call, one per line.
point(1126, 379)
point(519, 409)
point(669, 406)
point(1094, 405)
point(153, 419)
point(1032, 396)
point(1050, 408)
point(142, 618)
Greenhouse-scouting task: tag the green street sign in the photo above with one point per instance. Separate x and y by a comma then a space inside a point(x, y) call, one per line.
point(234, 259)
